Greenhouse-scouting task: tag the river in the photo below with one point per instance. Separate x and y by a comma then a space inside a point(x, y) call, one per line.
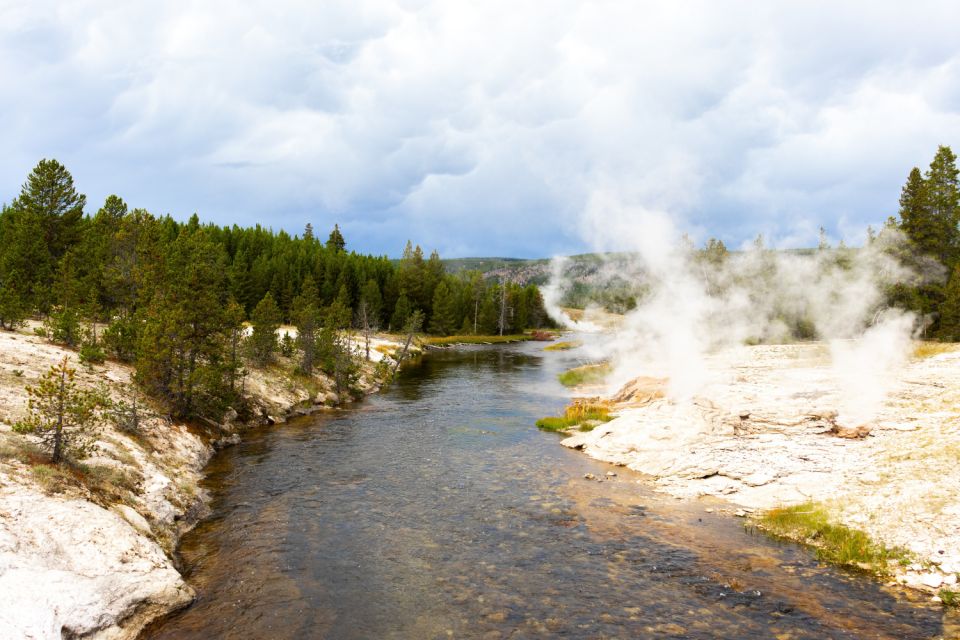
point(436, 509)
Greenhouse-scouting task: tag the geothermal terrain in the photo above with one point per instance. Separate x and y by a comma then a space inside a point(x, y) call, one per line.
point(767, 429)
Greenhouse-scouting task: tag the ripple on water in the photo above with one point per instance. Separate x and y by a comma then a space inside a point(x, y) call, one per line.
point(438, 510)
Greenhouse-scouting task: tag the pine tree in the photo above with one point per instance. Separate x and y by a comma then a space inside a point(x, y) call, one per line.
point(61, 414)
point(443, 320)
point(916, 220)
point(263, 340)
point(335, 242)
point(950, 309)
point(373, 301)
point(307, 318)
point(49, 196)
point(943, 199)
point(181, 350)
point(400, 313)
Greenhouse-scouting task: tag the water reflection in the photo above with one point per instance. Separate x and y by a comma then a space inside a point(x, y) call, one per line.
point(436, 510)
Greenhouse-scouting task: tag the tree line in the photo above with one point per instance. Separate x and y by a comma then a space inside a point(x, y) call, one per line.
point(173, 298)
point(929, 218)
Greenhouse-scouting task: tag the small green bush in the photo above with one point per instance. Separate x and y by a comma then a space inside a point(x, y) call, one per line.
point(92, 354)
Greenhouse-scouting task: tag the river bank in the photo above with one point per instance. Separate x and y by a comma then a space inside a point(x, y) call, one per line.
point(87, 550)
point(763, 433)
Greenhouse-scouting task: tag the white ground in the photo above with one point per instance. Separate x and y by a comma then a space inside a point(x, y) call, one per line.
point(755, 436)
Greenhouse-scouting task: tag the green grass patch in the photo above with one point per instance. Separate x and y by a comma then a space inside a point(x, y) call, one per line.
point(563, 346)
point(586, 415)
point(443, 341)
point(587, 374)
point(810, 524)
point(949, 598)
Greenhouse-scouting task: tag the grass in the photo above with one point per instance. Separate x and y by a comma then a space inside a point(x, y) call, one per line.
point(587, 374)
point(51, 478)
point(563, 346)
point(442, 341)
point(583, 413)
point(949, 598)
point(928, 349)
point(810, 524)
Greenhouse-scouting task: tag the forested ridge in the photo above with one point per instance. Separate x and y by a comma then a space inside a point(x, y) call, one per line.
point(173, 298)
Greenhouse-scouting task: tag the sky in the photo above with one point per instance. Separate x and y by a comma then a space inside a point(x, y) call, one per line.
point(485, 128)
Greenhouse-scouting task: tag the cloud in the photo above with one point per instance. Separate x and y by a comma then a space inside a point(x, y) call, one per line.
point(484, 128)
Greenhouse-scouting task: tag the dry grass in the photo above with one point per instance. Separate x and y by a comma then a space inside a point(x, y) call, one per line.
point(929, 349)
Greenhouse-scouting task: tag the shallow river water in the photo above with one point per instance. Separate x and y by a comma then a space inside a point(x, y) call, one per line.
point(437, 509)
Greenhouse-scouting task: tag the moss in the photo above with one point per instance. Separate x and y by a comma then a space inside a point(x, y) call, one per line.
point(563, 346)
point(587, 374)
point(810, 524)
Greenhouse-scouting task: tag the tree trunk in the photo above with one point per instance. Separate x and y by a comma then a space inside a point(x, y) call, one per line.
point(58, 433)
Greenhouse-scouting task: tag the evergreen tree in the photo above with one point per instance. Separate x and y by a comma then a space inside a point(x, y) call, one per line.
point(950, 309)
point(916, 220)
point(943, 199)
point(263, 340)
point(49, 196)
point(372, 300)
point(400, 313)
point(443, 321)
point(306, 316)
point(61, 414)
point(336, 242)
point(181, 343)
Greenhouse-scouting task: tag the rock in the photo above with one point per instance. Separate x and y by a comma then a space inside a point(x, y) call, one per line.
point(856, 433)
point(950, 580)
point(740, 513)
point(708, 510)
point(229, 417)
point(135, 519)
point(932, 580)
point(611, 474)
point(589, 476)
point(72, 568)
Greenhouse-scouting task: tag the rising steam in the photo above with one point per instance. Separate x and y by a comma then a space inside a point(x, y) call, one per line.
point(692, 308)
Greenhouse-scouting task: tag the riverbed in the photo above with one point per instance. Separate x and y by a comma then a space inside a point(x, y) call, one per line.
point(437, 509)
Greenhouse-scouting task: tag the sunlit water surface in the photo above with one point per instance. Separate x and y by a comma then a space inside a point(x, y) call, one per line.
point(436, 509)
